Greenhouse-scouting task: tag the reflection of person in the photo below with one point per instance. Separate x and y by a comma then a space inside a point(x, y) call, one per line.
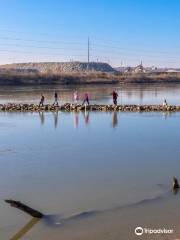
point(75, 97)
point(166, 114)
point(76, 119)
point(41, 115)
point(86, 117)
point(86, 99)
point(114, 119)
point(55, 114)
point(41, 103)
point(115, 96)
point(55, 99)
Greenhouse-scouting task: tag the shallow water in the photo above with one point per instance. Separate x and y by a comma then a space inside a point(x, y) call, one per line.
point(93, 175)
point(68, 164)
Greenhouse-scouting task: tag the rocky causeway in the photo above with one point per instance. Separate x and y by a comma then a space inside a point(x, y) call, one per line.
point(68, 107)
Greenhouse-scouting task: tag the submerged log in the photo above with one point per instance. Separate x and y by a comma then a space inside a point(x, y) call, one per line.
point(25, 208)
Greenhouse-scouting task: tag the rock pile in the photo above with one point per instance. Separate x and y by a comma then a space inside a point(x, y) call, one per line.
point(13, 107)
point(60, 67)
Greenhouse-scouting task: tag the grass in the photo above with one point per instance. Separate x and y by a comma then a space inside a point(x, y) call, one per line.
point(20, 78)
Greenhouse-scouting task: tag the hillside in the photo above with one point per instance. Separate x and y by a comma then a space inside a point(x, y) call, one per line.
point(59, 67)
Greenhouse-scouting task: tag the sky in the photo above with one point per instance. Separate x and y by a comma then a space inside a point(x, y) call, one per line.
point(121, 32)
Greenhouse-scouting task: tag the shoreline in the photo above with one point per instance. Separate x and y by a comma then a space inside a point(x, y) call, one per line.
point(86, 78)
point(67, 107)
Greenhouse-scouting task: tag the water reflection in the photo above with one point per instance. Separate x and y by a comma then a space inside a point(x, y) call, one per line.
point(85, 171)
point(166, 114)
point(114, 120)
point(42, 118)
point(76, 119)
point(25, 229)
point(86, 117)
point(55, 115)
point(175, 191)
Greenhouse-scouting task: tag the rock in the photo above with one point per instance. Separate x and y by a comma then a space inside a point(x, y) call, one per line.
point(72, 107)
point(59, 67)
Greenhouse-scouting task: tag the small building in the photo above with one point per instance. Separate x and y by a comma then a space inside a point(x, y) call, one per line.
point(139, 68)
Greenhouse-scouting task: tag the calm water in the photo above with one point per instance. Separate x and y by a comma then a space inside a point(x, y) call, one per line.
point(128, 94)
point(118, 167)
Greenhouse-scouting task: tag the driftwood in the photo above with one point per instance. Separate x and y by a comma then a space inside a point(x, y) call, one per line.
point(25, 208)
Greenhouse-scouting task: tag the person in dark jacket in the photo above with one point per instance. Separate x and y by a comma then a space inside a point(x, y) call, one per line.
point(41, 103)
point(86, 99)
point(115, 96)
point(55, 99)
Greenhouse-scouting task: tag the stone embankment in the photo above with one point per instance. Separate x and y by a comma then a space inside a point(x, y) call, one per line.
point(12, 107)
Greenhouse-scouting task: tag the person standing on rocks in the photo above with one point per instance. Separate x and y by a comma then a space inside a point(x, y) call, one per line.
point(165, 103)
point(76, 97)
point(115, 96)
point(86, 99)
point(41, 103)
point(55, 99)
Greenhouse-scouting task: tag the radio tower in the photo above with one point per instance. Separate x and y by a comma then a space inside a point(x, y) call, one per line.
point(88, 54)
point(88, 49)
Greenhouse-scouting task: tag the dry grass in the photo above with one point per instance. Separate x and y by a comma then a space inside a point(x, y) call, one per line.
point(15, 78)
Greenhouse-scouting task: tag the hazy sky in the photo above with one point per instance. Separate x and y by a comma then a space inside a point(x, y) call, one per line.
point(121, 31)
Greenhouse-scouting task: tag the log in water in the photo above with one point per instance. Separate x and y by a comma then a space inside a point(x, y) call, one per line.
point(24, 208)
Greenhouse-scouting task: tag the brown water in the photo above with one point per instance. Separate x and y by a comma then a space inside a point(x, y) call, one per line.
point(93, 175)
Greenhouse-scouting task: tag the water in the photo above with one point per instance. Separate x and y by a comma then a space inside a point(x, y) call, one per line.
point(128, 94)
point(117, 167)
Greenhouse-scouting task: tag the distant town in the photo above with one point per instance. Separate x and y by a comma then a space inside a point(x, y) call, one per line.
point(141, 69)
